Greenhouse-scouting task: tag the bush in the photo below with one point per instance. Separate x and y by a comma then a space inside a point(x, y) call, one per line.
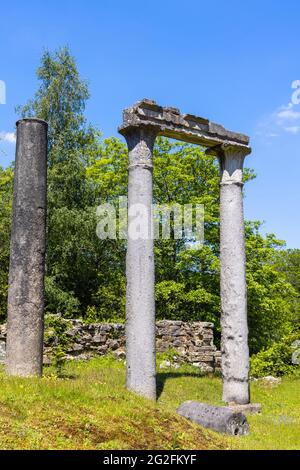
point(55, 330)
point(59, 360)
point(55, 335)
point(277, 360)
point(99, 315)
point(58, 300)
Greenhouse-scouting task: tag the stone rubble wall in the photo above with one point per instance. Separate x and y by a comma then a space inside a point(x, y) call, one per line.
point(193, 342)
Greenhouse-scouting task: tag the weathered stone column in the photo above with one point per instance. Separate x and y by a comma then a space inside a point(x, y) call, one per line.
point(27, 258)
point(235, 352)
point(140, 302)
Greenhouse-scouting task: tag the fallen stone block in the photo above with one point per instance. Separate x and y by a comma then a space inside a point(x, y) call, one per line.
point(269, 379)
point(217, 418)
point(248, 409)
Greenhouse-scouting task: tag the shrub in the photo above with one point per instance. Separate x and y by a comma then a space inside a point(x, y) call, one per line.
point(58, 300)
point(55, 335)
point(100, 315)
point(277, 359)
point(59, 360)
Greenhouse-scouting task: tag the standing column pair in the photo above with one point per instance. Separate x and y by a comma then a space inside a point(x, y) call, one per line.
point(140, 321)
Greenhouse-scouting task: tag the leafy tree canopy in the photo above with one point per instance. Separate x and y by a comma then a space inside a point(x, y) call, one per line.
point(85, 275)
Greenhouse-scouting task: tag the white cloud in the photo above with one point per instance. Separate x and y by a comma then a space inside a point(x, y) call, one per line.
point(288, 115)
point(9, 137)
point(284, 120)
point(293, 129)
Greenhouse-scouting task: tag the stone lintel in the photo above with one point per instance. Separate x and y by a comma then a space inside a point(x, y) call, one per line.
point(169, 122)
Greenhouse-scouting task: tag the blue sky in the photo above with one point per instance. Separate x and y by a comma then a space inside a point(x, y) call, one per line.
point(233, 62)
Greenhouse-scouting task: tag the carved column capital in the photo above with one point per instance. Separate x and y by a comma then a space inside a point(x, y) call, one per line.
point(231, 159)
point(140, 141)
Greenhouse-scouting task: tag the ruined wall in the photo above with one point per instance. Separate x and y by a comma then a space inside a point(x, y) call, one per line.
point(193, 342)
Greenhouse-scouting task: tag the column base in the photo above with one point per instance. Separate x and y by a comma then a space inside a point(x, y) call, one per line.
point(236, 392)
point(146, 391)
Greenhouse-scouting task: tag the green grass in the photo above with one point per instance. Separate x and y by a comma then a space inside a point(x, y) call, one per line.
point(89, 409)
point(277, 427)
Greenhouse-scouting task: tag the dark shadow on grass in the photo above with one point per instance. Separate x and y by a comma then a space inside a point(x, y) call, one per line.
point(68, 376)
point(162, 377)
point(62, 374)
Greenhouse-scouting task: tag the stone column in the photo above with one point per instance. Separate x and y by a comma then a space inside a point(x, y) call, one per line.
point(140, 302)
point(235, 352)
point(27, 259)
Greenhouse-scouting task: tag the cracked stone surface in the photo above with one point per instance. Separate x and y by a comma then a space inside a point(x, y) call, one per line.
point(24, 346)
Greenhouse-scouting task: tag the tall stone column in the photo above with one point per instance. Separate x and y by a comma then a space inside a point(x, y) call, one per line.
point(235, 352)
point(27, 259)
point(140, 302)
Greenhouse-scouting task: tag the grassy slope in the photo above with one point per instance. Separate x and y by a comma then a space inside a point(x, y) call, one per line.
point(89, 409)
point(278, 427)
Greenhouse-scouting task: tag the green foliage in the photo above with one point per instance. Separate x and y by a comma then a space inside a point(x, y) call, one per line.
point(85, 276)
point(166, 356)
point(109, 298)
point(100, 315)
point(73, 251)
point(287, 262)
point(59, 360)
point(60, 300)
point(55, 330)
point(55, 335)
point(270, 296)
point(60, 100)
point(277, 359)
point(6, 190)
point(91, 315)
